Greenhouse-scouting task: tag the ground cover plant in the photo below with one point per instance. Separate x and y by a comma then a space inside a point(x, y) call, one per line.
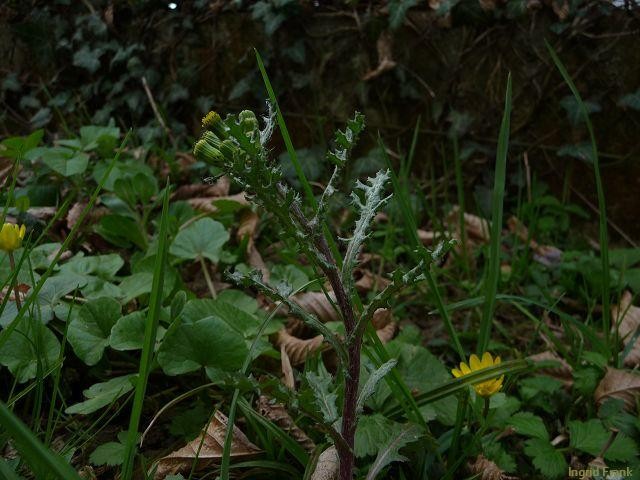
point(223, 315)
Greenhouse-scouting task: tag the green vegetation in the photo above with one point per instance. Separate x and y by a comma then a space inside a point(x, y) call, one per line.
point(331, 312)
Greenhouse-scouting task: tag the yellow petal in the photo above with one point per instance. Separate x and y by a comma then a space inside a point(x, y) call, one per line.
point(23, 229)
point(497, 361)
point(487, 360)
point(457, 373)
point(465, 368)
point(475, 363)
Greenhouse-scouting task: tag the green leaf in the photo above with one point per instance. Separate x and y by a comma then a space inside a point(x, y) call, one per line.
point(87, 58)
point(29, 344)
point(65, 161)
point(373, 431)
point(121, 231)
point(372, 382)
point(128, 332)
point(398, 10)
point(240, 299)
point(289, 274)
point(89, 332)
point(546, 459)
point(135, 285)
point(630, 100)
point(102, 394)
point(390, 451)
point(209, 342)
point(591, 437)
point(203, 238)
point(526, 423)
point(324, 394)
point(110, 454)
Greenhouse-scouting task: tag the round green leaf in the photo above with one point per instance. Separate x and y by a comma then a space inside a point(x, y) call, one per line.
point(209, 342)
point(89, 331)
point(203, 238)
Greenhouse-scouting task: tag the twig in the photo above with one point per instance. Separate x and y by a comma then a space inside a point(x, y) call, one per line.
point(156, 112)
point(207, 277)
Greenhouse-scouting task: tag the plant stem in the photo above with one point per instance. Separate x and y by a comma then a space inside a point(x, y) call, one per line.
point(207, 277)
point(16, 291)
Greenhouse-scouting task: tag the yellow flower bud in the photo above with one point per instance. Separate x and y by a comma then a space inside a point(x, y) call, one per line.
point(11, 237)
point(213, 122)
point(206, 152)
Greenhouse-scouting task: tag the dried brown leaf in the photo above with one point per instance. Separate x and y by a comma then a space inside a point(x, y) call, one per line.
point(627, 317)
point(318, 304)
point(73, 215)
point(477, 229)
point(287, 369)
point(370, 281)
point(384, 324)
point(247, 228)
point(210, 452)
point(277, 413)
point(327, 466)
point(620, 384)
point(488, 470)
point(385, 56)
point(562, 372)
point(298, 349)
point(547, 255)
point(207, 204)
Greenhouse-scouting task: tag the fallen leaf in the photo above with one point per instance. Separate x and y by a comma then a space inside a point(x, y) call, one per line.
point(370, 281)
point(220, 188)
point(247, 228)
point(298, 349)
point(207, 204)
point(620, 384)
point(384, 324)
point(562, 371)
point(318, 304)
point(208, 448)
point(627, 317)
point(485, 469)
point(287, 369)
point(546, 255)
point(327, 466)
point(477, 229)
point(385, 57)
point(95, 214)
point(277, 413)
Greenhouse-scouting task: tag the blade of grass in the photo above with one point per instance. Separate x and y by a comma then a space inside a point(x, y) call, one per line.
point(497, 204)
point(32, 450)
point(602, 225)
point(457, 384)
point(419, 252)
point(151, 328)
point(6, 472)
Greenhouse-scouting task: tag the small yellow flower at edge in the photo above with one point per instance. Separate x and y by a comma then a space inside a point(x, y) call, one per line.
point(11, 237)
point(484, 389)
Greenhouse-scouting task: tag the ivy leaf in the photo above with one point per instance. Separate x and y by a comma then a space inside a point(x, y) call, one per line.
point(102, 394)
point(546, 459)
point(201, 239)
point(209, 342)
point(87, 58)
point(390, 451)
point(526, 423)
point(89, 331)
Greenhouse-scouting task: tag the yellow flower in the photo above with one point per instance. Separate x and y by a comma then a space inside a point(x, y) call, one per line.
point(484, 389)
point(11, 237)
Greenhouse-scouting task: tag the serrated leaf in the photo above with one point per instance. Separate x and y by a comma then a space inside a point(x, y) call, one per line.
point(390, 451)
point(546, 459)
point(325, 397)
point(591, 437)
point(372, 382)
point(372, 431)
point(110, 454)
point(526, 423)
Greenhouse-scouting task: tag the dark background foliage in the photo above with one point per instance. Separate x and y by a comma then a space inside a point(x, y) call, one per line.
point(69, 63)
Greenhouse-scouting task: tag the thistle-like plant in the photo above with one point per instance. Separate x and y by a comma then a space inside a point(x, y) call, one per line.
point(238, 146)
